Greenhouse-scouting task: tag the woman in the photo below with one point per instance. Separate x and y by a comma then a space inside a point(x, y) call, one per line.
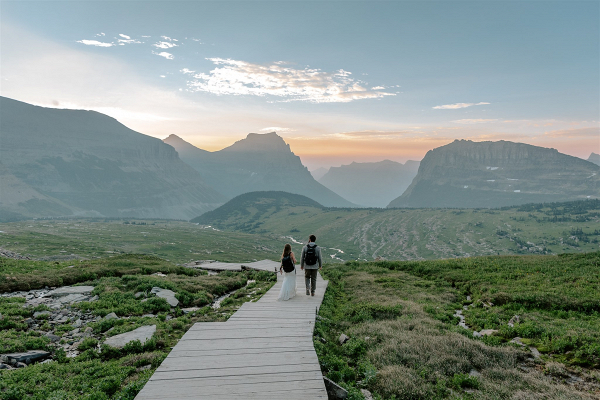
point(288, 287)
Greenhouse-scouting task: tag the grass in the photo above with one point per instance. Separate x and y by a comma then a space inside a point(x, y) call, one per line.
point(405, 342)
point(112, 373)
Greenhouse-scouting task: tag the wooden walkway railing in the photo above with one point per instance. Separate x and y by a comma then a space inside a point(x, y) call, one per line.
point(264, 351)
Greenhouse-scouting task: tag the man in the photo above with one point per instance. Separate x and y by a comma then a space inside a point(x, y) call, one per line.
point(310, 261)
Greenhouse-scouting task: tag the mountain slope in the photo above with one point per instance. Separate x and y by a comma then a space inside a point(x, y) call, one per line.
point(260, 162)
point(371, 184)
point(594, 158)
point(93, 163)
point(494, 174)
point(319, 173)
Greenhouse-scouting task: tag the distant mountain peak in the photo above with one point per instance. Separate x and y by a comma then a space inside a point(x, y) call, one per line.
point(594, 158)
point(260, 142)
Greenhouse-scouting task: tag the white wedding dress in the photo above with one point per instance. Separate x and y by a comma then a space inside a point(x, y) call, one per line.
point(288, 287)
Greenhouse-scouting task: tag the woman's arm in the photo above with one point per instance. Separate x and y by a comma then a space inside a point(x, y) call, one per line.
point(293, 257)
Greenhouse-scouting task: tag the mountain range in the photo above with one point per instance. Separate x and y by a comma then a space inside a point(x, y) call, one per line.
point(595, 158)
point(260, 162)
point(371, 184)
point(470, 174)
point(58, 162)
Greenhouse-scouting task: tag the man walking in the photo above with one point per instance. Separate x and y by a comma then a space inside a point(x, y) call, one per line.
point(310, 261)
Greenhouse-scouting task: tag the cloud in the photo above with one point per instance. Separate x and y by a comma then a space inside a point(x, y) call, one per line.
point(95, 43)
point(123, 42)
point(235, 77)
point(164, 45)
point(277, 129)
point(100, 34)
point(124, 36)
point(474, 121)
point(580, 132)
point(458, 105)
point(169, 39)
point(164, 54)
point(186, 71)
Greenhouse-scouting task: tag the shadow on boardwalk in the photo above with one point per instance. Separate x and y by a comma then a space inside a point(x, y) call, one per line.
point(264, 351)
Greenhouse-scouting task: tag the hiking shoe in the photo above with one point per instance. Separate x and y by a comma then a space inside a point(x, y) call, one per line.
point(312, 294)
point(307, 292)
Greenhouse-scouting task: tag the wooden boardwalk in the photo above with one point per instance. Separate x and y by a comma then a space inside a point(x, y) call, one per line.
point(264, 351)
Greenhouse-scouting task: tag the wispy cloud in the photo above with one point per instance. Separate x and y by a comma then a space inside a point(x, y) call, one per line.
point(474, 121)
point(164, 54)
point(124, 36)
point(164, 45)
point(456, 106)
point(313, 85)
point(95, 43)
point(277, 129)
point(579, 132)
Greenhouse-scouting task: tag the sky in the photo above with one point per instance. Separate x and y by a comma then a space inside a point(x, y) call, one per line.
point(340, 81)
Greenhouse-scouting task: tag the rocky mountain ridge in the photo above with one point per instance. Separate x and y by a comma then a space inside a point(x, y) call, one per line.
point(372, 184)
point(469, 174)
point(86, 163)
point(259, 162)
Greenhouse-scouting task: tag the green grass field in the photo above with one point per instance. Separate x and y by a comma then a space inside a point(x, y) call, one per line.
point(405, 342)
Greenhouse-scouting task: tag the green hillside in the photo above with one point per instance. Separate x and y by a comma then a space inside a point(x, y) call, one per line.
point(414, 234)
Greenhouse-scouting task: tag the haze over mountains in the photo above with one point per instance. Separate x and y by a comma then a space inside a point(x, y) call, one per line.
point(71, 162)
point(260, 162)
point(494, 174)
point(372, 184)
point(595, 158)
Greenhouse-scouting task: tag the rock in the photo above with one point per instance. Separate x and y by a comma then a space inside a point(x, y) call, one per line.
point(517, 340)
point(488, 332)
point(334, 391)
point(142, 334)
point(78, 323)
point(20, 365)
point(138, 295)
point(166, 294)
point(343, 338)
point(68, 290)
point(514, 320)
point(88, 329)
point(144, 368)
point(38, 314)
point(29, 321)
point(112, 315)
point(535, 352)
point(26, 357)
point(168, 318)
point(73, 298)
point(474, 373)
point(468, 298)
point(93, 298)
point(148, 315)
point(476, 334)
point(74, 331)
point(190, 309)
point(4, 366)
point(53, 338)
point(367, 395)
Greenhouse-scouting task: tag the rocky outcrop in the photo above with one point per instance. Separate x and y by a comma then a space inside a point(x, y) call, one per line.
point(371, 184)
point(494, 174)
point(594, 158)
point(260, 162)
point(75, 162)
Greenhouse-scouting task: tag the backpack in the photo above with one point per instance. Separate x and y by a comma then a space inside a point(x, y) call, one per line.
point(287, 263)
point(310, 257)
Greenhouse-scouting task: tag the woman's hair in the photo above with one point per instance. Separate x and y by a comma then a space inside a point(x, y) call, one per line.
point(287, 249)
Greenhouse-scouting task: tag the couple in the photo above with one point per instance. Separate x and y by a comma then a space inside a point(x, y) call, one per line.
point(309, 262)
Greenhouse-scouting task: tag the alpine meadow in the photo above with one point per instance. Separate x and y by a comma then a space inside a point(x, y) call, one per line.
point(366, 200)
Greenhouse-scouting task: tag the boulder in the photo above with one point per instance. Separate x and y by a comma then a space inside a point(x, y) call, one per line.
point(514, 320)
point(488, 332)
point(26, 357)
point(53, 338)
point(112, 315)
point(142, 334)
point(367, 395)
point(166, 294)
point(343, 338)
point(38, 314)
point(68, 290)
point(334, 391)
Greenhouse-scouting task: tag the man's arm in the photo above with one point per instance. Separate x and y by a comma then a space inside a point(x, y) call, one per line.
point(320, 259)
point(302, 257)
